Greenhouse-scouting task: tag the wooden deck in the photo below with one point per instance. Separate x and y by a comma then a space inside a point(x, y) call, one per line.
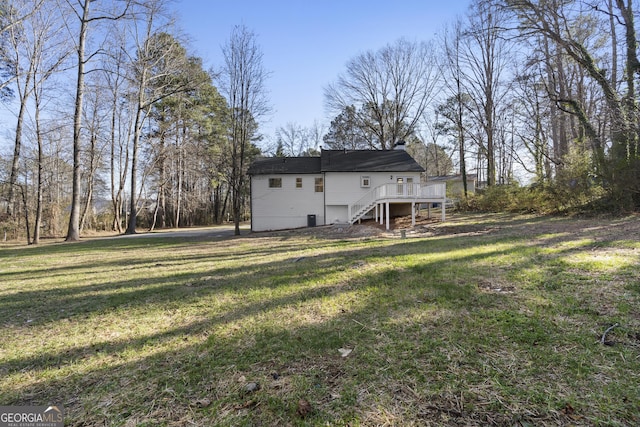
point(379, 200)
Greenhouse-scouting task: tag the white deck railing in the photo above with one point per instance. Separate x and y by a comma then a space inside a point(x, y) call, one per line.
point(412, 192)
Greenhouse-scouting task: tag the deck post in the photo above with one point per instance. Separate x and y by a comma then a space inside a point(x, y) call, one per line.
point(381, 213)
point(443, 208)
point(413, 214)
point(387, 213)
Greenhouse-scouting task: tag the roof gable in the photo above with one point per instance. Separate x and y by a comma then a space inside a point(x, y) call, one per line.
point(458, 177)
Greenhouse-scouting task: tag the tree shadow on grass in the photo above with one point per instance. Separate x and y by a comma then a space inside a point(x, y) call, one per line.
point(410, 328)
point(174, 379)
point(109, 294)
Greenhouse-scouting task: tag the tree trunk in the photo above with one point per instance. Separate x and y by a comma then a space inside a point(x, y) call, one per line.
point(90, 182)
point(38, 220)
point(13, 178)
point(23, 190)
point(225, 204)
point(88, 204)
point(155, 211)
point(489, 92)
point(216, 204)
point(73, 233)
point(179, 176)
point(137, 130)
point(461, 142)
point(116, 195)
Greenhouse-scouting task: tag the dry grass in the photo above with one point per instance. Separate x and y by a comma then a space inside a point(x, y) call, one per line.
point(483, 320)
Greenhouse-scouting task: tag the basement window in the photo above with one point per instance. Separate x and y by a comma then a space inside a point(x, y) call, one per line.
point(275, 182)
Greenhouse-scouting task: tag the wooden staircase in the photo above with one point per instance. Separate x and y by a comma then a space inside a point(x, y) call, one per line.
point(397, 193)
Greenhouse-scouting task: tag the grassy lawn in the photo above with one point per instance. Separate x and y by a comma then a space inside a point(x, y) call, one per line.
point(483, 320)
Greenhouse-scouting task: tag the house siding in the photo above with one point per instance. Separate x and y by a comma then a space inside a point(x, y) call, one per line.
point(344, 189)
point(285, 207)
point(456, 188)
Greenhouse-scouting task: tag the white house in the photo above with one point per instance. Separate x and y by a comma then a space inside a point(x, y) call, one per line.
point(340, 186)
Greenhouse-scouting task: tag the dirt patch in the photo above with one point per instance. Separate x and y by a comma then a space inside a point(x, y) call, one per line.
point(542, 230)
point(335, 231)
point(398, 227)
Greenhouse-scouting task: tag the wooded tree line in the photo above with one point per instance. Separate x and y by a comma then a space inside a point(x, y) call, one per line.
point(542, 88)
point(117, 125)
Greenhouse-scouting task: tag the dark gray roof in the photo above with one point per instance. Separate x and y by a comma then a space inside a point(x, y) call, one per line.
point(368, 161)
point(338, 161)
point(284, 165)
point(470, 177)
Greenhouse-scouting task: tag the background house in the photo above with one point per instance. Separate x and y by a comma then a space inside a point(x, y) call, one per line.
point(340, 186)
point(455, 187)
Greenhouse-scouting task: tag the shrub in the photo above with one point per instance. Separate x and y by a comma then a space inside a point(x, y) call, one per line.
point(574, 189)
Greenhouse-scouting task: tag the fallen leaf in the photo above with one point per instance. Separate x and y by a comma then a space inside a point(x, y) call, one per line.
point(251, 387)
point(568, 409)
point(344, 352)
point(201, 403)
point(304, 408)
point(246, 405)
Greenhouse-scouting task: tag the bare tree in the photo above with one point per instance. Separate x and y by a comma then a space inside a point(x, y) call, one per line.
point(533, 109)
point(40, 165)
point(161, 70)
point(296, 140)
point(315, 135)
point(13, 14)
point(292, 138)
point(23, 57)
point(114, 70)
point(94, 116)
point(486, 53)
point(431, 156)
point(345, 132)
point(456, 108)
point(50, 52)
point(391, 87)
point(73, 232)
point(617, 165)
point(242, 81)
point(82, 12)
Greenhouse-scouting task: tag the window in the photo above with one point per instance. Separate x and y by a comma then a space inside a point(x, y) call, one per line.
point(319, 185)
point(275, 182)
point(298, 182)
point(365, 181)
point(405, 186)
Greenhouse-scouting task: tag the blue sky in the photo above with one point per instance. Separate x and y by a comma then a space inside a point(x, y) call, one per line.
point(306, 43)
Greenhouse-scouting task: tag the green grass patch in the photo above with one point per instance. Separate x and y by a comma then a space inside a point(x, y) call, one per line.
point(487, 320)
